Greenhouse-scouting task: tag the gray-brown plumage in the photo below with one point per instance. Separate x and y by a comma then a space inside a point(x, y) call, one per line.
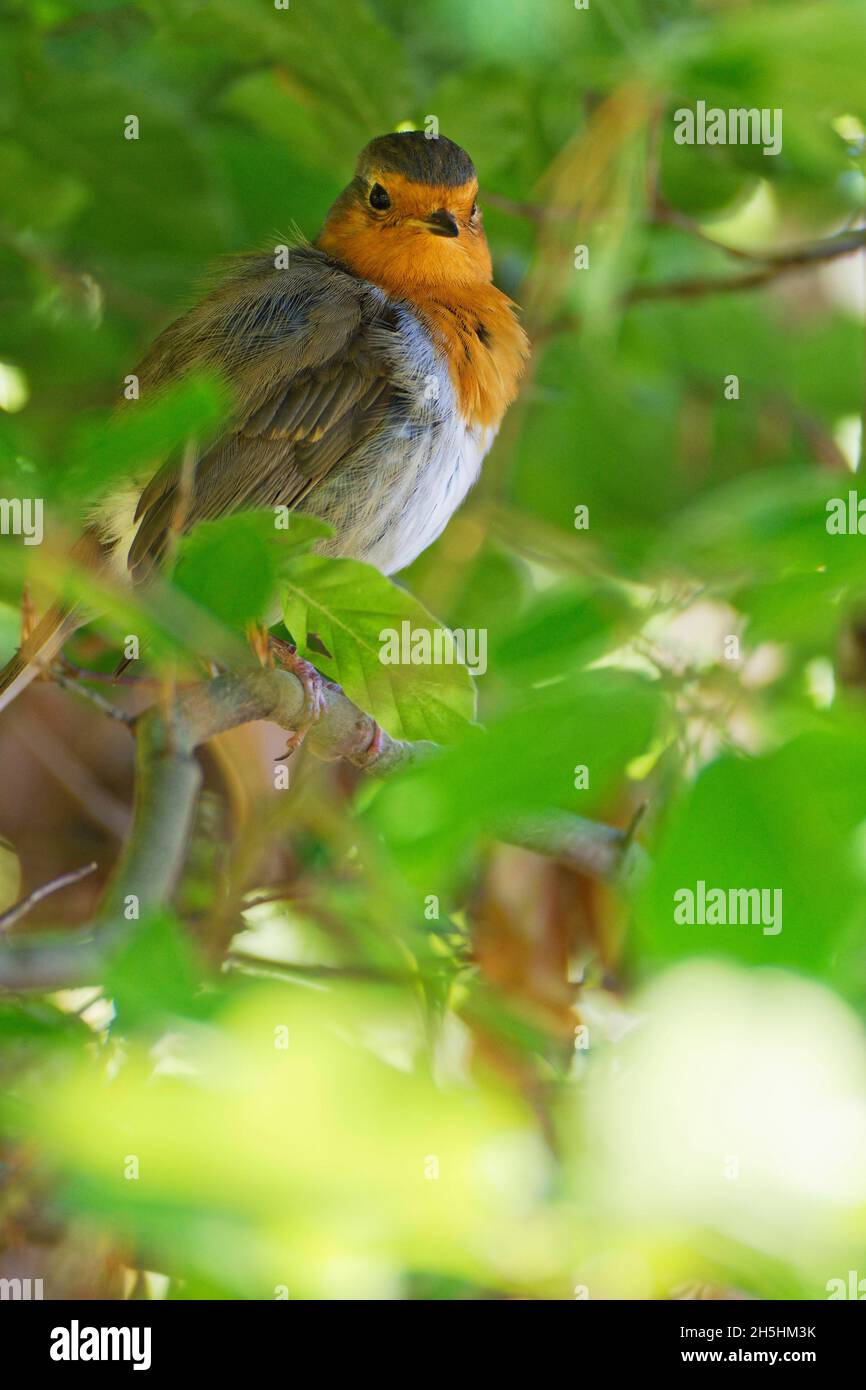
point(303, 349)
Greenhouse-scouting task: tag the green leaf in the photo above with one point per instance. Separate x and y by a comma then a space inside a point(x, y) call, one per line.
point(330, 55)
point(144, 433)
point(155, 974)
point(524, 764)
point(10, 875)
point(767, 527)
point(563, 630)
point(34, 196)
point(232, 566)
point(788, 822)
point(348, 606)
point(171, 629)
point(10, 631)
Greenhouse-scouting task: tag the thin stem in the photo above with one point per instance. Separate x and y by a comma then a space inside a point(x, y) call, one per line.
point(113, 712)
point(20, 909)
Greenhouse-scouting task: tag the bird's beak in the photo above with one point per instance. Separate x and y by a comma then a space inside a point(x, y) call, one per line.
point(441, 223)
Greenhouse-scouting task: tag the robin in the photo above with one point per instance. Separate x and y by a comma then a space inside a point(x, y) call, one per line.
point(370, 374)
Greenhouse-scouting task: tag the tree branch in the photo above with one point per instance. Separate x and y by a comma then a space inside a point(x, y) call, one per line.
point(767, 267)
point(168, 778)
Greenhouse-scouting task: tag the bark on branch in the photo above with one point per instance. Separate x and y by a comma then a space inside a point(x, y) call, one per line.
point(168, 779)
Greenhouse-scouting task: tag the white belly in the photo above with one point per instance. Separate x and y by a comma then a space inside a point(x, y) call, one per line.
point(419, 484)
point(397, 495)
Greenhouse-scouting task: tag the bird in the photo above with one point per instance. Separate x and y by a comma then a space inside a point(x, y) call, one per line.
point(369, 369)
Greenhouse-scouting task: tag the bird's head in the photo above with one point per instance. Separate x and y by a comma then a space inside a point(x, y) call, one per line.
point(409, 220)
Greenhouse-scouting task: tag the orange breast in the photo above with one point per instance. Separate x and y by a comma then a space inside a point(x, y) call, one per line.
point(450, 285)
point(485, 346)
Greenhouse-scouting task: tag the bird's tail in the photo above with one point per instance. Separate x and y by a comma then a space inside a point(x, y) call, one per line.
point(36, 653)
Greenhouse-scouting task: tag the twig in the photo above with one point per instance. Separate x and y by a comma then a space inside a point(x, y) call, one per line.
point(290, 893)
point(236, 958)
point(71, 683)
point(631, 829)
point(108, 677)
point(770, 266)
point(20, 909)
point(168, 778)
point(74, 280)
point(531, 212)
point(601, 851)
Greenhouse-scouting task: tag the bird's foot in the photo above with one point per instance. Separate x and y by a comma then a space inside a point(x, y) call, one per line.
point(373, 749)
point(313, 684)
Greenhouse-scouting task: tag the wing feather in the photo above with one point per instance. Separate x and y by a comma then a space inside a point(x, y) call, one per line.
point(303, 350)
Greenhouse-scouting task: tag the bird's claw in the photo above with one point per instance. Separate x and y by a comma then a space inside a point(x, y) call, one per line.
point(373, 749)
point(313, 685)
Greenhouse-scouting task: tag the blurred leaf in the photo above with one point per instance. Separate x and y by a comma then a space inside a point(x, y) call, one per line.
point(144, 433)
point(261, 1158)
point(154, 975)
point(524, 763)
point(232, 566)
point(10, 875)
point(37, 197)
point(784, 823)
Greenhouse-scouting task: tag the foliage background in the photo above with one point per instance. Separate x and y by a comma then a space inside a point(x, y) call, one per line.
point(712, 1132)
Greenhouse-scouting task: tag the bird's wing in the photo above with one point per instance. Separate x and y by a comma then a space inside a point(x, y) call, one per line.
point(302, 349)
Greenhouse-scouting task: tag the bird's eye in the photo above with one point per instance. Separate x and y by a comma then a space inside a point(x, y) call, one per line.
point(379, 198)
